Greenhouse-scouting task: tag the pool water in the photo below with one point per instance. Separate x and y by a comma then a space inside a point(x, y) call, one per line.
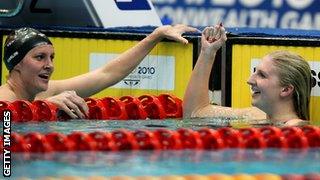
point(155, 163)
point(110, 125)
point(158, 163)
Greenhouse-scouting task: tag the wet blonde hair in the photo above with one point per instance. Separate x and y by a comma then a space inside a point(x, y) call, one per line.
point(294, 70)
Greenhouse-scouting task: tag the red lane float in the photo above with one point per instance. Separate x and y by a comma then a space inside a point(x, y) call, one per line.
point(96, 109)
point(134, 108)
point(26, 111)
point(152, 106)
point(7, 106)
point(124, 140)
point(190, 139)
point(211, 139)
point(312, 133)
point(107, 108)
point(115, 108)
point(146, 140)
point(252, 138)
point(168, 139)
point(37, 143)
point(60, 142)
point(83, 141)
point(165, 139)
point(273, 137)
point(18, 143)
point(295, 137)
point(171, 105)
point(45, 110)
point(104, 141)
point(232, 138)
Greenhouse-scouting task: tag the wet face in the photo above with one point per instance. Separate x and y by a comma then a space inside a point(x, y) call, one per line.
point(36, 68)
point(265, 86)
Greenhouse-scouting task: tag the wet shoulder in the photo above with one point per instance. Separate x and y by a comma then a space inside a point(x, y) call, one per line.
point(251, 113)
point(236, 113)
point(296, 122)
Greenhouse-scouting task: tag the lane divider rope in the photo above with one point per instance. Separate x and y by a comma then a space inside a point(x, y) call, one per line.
point(165, 139)
point(107, 108)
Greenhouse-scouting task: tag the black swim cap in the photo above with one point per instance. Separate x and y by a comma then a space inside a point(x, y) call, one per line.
point(23, 40)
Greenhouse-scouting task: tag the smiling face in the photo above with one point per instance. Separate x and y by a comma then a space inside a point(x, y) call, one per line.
point(265, 85)
point(36, 68)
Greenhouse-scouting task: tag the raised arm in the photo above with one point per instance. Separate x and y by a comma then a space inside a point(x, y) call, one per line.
point(196, 97)
point(66, 94)
point(90, 83)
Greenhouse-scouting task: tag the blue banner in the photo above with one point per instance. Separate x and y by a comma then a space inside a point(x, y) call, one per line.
point(133, 5)
point(291, 14)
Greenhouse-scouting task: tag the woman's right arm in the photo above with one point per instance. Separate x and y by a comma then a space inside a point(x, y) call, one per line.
point(196, 99)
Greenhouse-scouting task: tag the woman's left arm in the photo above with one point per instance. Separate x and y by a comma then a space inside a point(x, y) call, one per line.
point(92, 82)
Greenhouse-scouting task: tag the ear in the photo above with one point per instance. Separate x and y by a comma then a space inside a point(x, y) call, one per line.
point(287, 91)
point(17, 67)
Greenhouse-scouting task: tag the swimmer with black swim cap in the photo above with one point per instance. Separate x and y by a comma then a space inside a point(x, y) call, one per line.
point(19, 43)
point(29, 54)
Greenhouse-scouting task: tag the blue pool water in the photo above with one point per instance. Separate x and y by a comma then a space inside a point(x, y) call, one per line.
point(96, 125)
point(155, 163)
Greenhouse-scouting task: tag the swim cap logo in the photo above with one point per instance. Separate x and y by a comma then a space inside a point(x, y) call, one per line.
point(133, 5)
point(12, 56)
point(42, 43)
